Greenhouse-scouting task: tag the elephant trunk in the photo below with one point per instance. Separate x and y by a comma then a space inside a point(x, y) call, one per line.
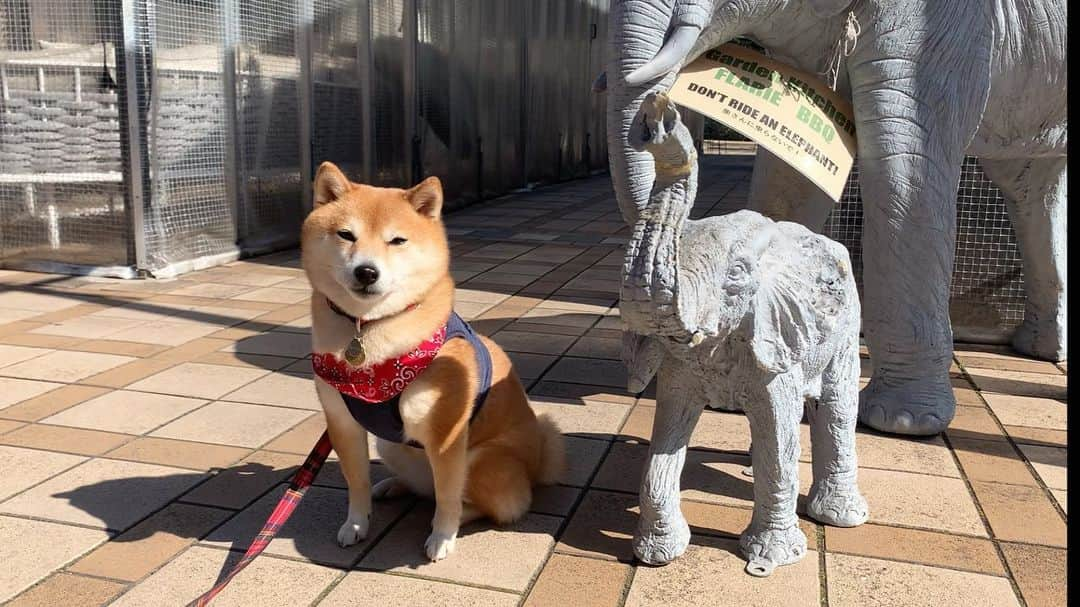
point(650, 301)
point(643, 59)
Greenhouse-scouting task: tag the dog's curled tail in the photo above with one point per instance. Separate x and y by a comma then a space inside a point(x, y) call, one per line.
point(552, 451)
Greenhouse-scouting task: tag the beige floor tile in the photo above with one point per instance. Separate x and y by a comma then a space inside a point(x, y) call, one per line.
point(300, 438)
point(991, 460)
point(125, 411)
point(65, 366)
point(1040, 572)
point(504, 558)
point(908, 454)
point(238, 424)
point(276, 343)
point(974, 423)
point(711, 568)
point(27, 467)
point(583, 455)
point(250, 361)
point(9, 355)
point(13, 315)
point(282, 389)
point(856, 581)
point(14, 391)
point(999, 362)
point(239, 484)
point(116, 346)
point(586, 392)
point(1020, 514)
point(31, 550)
point(1038, 436)
point(1050, 463)
point(1020, 383)
point(198, 380)
point(102, 493)
point(86, 327)
point(38, 340)
point(1062, 498)
point(919, 500)
point(151, 543)
point(68, 589)
point(555, 500)
point(24, 300)
point(571, 580)
point(534, 343)
point(1029, 411)
point(127, 373)
point(530, 366)
point(61, 438)
point(588, 371)
point(390, 589)
point(210, 289)
point(181, 454)
point(597, 347)
point(311, 534)
point(165, 333)
point(479, 296)
point(591, 418)
point(915, 546)
point(276, 294)
point(7, 425)
point(267, 581)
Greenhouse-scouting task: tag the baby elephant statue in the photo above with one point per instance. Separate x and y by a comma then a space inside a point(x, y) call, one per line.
point(742, 309)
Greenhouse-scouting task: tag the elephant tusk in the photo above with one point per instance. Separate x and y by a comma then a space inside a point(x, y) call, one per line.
point(668, 58)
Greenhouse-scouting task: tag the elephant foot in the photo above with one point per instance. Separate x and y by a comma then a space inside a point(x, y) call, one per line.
point(662, 541)
point(767, 549)
point(1040, 340)
point(921, 407)
point(838, 504)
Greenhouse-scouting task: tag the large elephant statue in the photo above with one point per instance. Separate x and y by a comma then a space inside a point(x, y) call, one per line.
point(738, 308)
point(930, 81)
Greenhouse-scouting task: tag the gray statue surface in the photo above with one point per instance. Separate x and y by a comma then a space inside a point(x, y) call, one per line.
point(738, 308)
point(930, 81)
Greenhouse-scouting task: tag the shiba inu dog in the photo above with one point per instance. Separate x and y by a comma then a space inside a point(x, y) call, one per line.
point(450, 415)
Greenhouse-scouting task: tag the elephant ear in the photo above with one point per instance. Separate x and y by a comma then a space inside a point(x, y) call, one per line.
point(784, 325)
point(828, 8)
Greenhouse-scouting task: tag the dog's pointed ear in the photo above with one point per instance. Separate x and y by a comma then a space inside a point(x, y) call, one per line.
point(330, 183)
point(426, 197)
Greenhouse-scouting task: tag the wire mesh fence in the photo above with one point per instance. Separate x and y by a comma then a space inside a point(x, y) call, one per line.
point(165, 135)
point(987, 293)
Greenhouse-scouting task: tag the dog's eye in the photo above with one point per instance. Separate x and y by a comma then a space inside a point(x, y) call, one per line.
point(398, 241)
point(347, 235)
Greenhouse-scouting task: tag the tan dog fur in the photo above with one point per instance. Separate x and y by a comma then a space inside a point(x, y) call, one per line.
point(483, 469)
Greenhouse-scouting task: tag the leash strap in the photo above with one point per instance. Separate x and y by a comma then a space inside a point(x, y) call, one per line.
point(297, 488)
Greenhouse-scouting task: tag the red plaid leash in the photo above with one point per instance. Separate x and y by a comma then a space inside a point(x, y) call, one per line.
point(297, 488)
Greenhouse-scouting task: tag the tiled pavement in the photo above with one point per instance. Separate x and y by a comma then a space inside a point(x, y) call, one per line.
point(146, 429)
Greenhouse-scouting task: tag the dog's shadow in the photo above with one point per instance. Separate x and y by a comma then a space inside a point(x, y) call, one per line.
point(398, 525)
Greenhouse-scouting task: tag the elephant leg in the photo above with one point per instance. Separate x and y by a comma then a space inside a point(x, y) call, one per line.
point(774, 537)
point(909, 239)
point(662, 533)
point(781, 193)
point(834, 494)
point(1035, 193)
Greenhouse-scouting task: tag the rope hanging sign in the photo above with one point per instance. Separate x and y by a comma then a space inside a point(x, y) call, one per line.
point(791, 113)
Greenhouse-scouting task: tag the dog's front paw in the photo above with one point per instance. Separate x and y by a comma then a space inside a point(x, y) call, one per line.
point(353, 531)
point(439, 545)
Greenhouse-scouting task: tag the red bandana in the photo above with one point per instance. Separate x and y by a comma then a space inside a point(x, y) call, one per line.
point(380, 382)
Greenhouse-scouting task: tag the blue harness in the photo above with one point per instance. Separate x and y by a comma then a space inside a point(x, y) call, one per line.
point(384, 419)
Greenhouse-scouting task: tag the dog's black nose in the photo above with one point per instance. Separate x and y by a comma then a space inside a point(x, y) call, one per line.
point(366, 275)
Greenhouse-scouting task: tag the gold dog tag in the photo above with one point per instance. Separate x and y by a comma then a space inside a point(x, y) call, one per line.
point(354, 353)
